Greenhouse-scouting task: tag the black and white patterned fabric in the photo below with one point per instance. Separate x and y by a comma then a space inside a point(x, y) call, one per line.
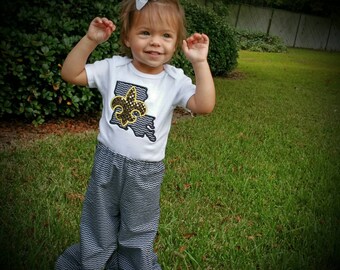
point(120, 215)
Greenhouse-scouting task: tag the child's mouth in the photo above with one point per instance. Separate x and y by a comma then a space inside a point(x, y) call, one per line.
point(153, 53)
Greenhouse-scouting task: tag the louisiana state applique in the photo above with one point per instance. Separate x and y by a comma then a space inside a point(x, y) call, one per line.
point(130, 111)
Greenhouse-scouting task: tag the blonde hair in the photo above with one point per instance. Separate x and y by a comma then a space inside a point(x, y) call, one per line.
point(169, 11)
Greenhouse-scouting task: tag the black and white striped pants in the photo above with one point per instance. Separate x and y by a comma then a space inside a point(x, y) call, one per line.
point(120, 215)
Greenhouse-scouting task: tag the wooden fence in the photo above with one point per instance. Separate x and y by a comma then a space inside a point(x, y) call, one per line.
point(295, 29)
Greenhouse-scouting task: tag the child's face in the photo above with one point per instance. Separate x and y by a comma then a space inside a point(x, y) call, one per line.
point(152, 45)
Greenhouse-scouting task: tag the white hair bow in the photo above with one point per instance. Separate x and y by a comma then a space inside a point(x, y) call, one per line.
point(140, 4)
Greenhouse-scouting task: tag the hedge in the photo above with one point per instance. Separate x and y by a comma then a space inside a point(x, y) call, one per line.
point(259, 42)
point(38, 34)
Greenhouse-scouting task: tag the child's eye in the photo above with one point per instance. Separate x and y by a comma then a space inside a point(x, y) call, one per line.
point(166, 35)
point(145, 33)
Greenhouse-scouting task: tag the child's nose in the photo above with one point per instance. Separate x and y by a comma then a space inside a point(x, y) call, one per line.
point(155, 41)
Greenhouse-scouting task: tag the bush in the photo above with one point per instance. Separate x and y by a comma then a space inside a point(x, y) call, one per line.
point(259, 42)
point(33, 48)
point(223, 48)
point(35, 44)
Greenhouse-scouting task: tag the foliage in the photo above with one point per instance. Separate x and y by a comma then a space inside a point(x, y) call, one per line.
point(220, 7)
point(259, 42)
point(223, 49)
point(35, 44)
point(32, 52)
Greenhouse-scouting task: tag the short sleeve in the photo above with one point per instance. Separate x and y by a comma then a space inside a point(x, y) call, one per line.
point(97, 72)
point(100, 72)
point(184, 85)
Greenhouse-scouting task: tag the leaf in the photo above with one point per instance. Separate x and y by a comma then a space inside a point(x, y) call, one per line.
point(189, 235)
point(75, 196)
point(238, 218)
point(251, 237)
point(186, 186)
point(182, 249)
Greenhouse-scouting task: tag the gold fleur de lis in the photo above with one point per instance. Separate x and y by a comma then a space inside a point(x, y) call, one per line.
point(129, 106)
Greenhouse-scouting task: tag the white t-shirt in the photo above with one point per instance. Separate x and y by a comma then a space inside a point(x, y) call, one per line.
point(137, 107)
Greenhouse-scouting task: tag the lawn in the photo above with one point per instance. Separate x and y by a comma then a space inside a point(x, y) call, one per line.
point(254, 185)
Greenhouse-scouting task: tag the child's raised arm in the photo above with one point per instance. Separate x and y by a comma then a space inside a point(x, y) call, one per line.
point(73, 70)
point(196, 49)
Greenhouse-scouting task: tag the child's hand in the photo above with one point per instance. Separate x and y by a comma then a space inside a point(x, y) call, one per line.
point(100, 30)
point(196, 48)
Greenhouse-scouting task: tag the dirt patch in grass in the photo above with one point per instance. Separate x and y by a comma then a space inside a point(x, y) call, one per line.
point(236, 75)
point(15, 131)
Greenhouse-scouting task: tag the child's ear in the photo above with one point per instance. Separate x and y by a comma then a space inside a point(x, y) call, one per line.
point(127, 43)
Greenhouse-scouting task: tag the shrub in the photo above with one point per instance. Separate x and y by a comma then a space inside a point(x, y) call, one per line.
point(260, 42)
point(35, 44)
point(32, 50)
point(223, 48)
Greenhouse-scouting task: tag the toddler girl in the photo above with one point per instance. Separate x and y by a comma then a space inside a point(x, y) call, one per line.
point(139, 91)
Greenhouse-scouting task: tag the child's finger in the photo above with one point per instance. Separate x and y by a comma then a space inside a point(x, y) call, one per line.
point(205, 38)
point(185, 47)
point(201, 38)
point(108, 23)
point(197, 38)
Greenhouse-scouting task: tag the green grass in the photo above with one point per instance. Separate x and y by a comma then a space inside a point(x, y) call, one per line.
point(255, 185)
